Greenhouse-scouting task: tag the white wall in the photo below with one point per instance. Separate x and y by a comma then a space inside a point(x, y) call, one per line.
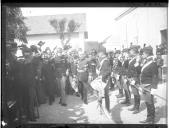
point(142, 25)
point(77, 40)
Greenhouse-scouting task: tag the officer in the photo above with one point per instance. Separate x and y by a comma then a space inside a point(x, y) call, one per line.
point(123, 73)
point(110, 58)
point(104, 73)
point(73, 74)
point(61, 66)
point(116, 72)
point(92, 65)
point(149, 81)
point(133, 76)
point(83, 77)
point(29, 80)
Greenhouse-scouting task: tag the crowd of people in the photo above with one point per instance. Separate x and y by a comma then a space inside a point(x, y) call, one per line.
point(39, 76)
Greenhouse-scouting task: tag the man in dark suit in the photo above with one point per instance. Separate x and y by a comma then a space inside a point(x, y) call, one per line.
point(117, 65)
point(133, 76)
point(149, 81)
point(104, 73)
point(83, 74)
point(30, 83)
point(49, 79)
point(61, 68)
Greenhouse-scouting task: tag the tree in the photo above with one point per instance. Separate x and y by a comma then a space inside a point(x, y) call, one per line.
point(62, 29)
point(15, 26)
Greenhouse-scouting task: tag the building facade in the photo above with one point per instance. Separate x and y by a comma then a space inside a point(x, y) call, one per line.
point(142, 26)
point(41, 30)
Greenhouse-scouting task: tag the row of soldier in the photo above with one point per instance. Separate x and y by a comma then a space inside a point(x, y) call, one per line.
point(34, 75)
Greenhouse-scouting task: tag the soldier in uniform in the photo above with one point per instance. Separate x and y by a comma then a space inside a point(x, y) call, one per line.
point(73, 74)
point(149, 81)
point(83, 77)
point(111, 60)
point(61, 67)
point(123, 73)
point(92, 65)
point(104, 73)
point(116, 72)
point(133, 76)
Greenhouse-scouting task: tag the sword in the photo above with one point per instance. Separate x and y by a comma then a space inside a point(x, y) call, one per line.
point(149, 92)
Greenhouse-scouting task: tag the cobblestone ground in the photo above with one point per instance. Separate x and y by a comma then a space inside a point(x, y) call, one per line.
point(77, 112)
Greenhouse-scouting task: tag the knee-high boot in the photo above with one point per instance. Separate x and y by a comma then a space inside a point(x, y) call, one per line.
point(120, 95)
point(137, 104)
point(134, 106)
point(127, 100)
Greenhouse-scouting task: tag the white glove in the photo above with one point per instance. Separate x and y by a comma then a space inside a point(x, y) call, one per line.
point(36, 77)
point(133, 82)
point(67, 72)
point(117, 77)
point(136, 64)
point(97, 71)
point(125, 80)
point(112, 74)
point(153, 91)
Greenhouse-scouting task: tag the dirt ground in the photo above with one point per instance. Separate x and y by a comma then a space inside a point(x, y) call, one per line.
point(77, 112)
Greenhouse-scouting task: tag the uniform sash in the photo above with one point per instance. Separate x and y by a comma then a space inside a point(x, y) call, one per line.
point(101, 64)
point(146, 65)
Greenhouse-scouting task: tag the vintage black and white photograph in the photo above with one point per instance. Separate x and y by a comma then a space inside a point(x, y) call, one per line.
point(85, 65)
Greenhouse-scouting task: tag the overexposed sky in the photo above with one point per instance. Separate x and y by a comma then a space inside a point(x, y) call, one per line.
point(99, 20)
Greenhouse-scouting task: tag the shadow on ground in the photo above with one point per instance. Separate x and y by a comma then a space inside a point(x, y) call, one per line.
point(115, 113)
point(161, 112)
point(73, 113)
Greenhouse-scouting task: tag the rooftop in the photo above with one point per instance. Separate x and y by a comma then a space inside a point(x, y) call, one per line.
point(41, 24)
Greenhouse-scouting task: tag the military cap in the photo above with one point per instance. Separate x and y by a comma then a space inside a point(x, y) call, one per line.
point(148, 49)
point(41, 43)
point(134, 47)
